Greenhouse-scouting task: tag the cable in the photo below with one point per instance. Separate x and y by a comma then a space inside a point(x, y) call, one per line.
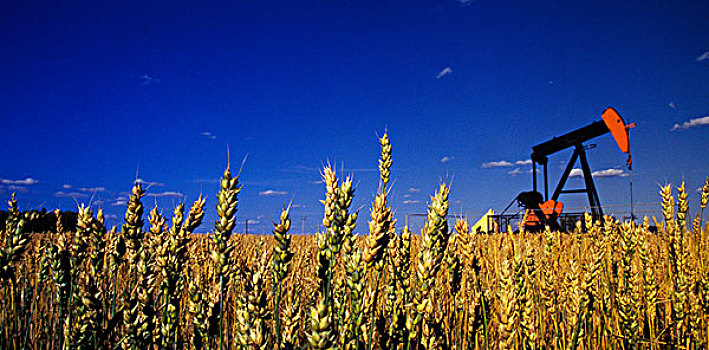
point(630, 180)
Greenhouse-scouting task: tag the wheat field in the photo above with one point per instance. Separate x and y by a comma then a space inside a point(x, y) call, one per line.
point(155, 284)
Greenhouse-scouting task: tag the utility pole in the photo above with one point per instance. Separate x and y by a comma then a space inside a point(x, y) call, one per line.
point(303, 232)
point(406, 220)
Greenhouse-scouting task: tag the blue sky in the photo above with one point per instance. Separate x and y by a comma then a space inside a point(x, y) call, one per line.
point(93, 92)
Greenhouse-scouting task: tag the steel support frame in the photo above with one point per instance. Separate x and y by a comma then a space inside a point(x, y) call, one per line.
point(590, 190)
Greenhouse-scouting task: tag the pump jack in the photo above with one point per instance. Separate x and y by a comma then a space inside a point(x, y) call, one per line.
point(541, 211)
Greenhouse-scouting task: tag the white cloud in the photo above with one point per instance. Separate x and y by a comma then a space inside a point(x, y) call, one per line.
point(146, 79)
point(66, 186)
point(408, 195)
point(414, 190)
point(201, 181)
point(149, 183)
point(408, 202)
point(500, 164)
point(166, 194)
point(505, 163)
point(444, 72)
point(111, 216)
point(703, 57)
point(672, 104)
point(121, 200)
point(26, 182)
point(62, 194)
point(269, 193)
point(209, 135)
point(691, 123)
point(21, 189)
point(515, 172)
point(576, 172)
point(609, 173)
point(447, 159)
point(92, 189)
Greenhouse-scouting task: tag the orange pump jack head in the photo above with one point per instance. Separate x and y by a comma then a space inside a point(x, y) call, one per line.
point(619, 130)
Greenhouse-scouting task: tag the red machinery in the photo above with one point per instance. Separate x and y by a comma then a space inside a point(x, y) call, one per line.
point(541, 211)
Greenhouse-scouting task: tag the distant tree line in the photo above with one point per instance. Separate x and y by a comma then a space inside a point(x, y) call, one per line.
point(44, 221)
